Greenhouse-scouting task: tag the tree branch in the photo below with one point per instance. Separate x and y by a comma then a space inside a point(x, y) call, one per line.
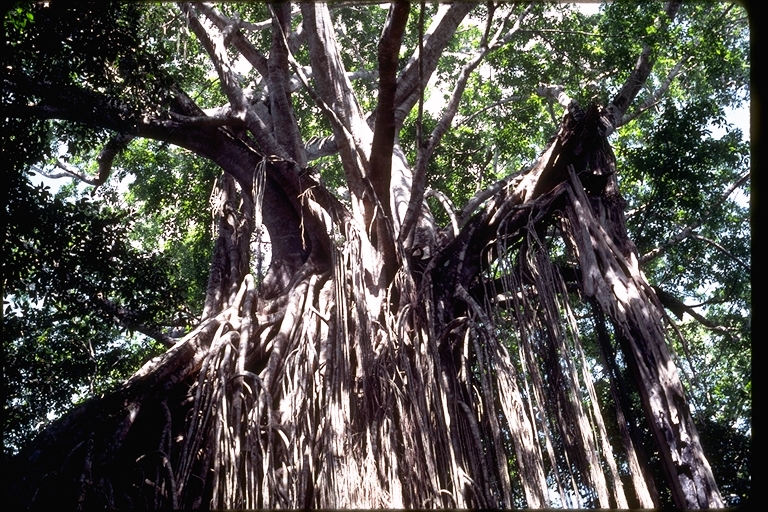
point(215, 47)
point(615, 111)
point(338, 102)
point(223, 118)
point(654, 98)
point(447, 206)
point(333, 85)
point(105, 159)
point(723, 250)
point(318, 147)
point(123, 317)
point(673, 73)
point(384, 133)
point(411, 80)
point(425, 152)
point(495, 104)
point(679, 308)
point(127, 320)
point(71, 103)
point(249, 26)
point(436, 38)
point(286, 129)
point(238, 40)
point(483, 195)
point(557, 93)
point(689, 230)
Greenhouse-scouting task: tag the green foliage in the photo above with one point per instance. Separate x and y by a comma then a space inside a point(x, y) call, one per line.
point(62, 259)
point(97, 46)
point(24, 143)
point(729, 453)
point(65, 254)
point(674, 178)
point(676, 170)
point(356, 23)
point(626, 27)
point(167, 192)
point(55, 360)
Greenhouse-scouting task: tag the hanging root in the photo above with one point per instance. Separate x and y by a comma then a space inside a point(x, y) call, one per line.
point(333, 391)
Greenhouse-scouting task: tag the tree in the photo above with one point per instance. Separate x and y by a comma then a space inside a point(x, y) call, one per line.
point(398, 351)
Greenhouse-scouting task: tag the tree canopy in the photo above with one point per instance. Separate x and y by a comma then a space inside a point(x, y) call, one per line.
point(458, 255)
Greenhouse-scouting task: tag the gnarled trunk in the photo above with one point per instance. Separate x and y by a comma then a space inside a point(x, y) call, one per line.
point(297, 392)
point(381, 362)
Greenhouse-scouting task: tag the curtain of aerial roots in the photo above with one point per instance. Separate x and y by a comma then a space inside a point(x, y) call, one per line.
point(556, 380)
point(310, 400)
point(532, 311)
point(333, 415)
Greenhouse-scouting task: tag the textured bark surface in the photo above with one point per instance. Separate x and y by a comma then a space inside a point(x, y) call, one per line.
point(310, 393)
point(383, 362)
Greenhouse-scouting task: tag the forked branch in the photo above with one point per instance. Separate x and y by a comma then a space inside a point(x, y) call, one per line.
point(213, 40)
point(105, 159)
point(236, 38)
point(425, 152)
point(615, 111)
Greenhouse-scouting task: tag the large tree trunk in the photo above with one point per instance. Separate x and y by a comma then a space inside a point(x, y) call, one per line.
point(381, 362)
point(296, 393)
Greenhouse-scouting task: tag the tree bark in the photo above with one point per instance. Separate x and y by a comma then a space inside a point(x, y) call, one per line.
point(324, 391)
point(356, 375)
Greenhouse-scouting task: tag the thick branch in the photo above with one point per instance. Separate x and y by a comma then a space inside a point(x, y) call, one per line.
point(286, 129)
point(437, 37)
point(317, 147)
point(95, 109)
point(447, 206)
point(614, 113)
point(408, 92)
point(557, 93)
point(223, 118)
point(214, 44)
point(654, 98)
point(384, 129)
point(69, 103)
point(237, 39)
point(332, 84)
point(339, 103)
point(384, 133)
point(483, 195)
